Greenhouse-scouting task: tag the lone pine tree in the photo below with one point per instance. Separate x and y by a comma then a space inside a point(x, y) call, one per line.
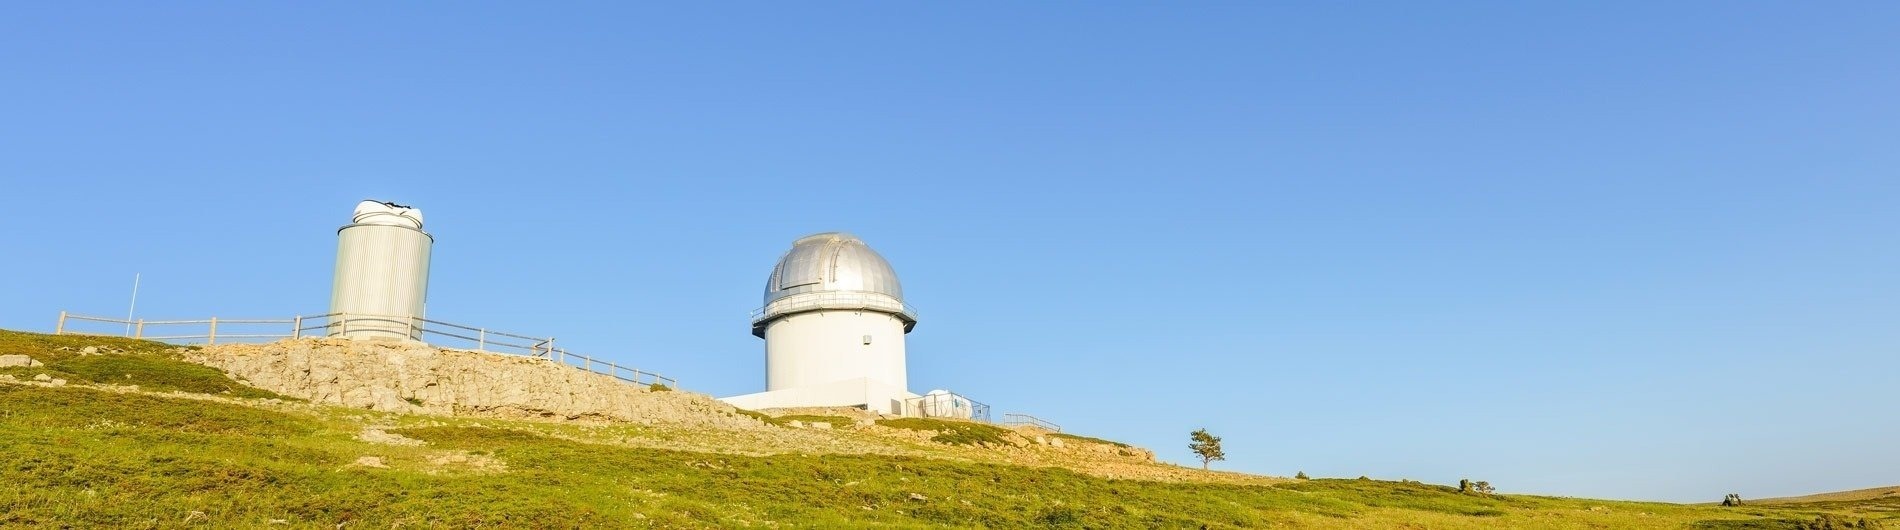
point(1206, 446)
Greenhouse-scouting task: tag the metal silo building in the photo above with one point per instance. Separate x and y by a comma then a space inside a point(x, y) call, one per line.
point(382, 273)
point(833, 321)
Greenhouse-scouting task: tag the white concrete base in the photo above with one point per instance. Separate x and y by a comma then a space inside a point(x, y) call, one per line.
point(861, 392)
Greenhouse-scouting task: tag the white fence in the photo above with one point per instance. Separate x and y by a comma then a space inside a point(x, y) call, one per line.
point(435, 333)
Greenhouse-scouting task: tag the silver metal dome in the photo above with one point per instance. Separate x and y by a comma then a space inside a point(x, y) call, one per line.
point(832, 270)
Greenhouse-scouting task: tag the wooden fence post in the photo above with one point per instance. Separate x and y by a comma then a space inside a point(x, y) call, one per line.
point(140, 333)
point(60, 329)
point(410, 333)
point(296, 327)
point(481, 340)
point(213, 337)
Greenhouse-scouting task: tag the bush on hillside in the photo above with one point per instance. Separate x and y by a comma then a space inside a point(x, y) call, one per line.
point(1478, 487)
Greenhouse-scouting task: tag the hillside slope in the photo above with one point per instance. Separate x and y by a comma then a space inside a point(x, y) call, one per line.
point(1860, 495)
point(97, 452)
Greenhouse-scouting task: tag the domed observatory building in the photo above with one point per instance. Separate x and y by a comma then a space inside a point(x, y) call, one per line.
point(834, 321)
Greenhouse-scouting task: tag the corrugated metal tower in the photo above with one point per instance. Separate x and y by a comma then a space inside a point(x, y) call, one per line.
point(382, 273)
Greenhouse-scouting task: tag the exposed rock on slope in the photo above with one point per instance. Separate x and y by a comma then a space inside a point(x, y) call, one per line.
point(417, 378)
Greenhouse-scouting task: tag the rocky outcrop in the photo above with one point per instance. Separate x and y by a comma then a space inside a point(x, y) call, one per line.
point(10, 361)
point(418, 378)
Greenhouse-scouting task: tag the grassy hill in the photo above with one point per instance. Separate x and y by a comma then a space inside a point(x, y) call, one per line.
point(1870, 494)
point(189, 448)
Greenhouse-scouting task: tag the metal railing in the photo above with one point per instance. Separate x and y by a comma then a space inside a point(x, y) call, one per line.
point(1016, 420)
point(834, 300)
point(432, 332)
point(947, 405)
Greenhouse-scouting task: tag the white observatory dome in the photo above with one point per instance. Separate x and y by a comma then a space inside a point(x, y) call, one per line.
point(371, 212)
point(832, 261)
point(832, 270)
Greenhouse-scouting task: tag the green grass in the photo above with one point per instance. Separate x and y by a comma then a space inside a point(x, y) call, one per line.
point(48, 348)
point(89, 458)
point(953, 432)
point(835, 421)
point(1090, 439)
point(150, 365)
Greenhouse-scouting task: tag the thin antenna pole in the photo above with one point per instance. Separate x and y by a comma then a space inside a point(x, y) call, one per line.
point(135, 304)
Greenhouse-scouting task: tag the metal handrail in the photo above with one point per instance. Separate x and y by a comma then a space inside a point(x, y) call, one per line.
point(833, 300)
point(484, 339)
point(1012, 418)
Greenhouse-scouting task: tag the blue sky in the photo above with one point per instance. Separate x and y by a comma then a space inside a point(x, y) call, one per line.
point(1628, 250)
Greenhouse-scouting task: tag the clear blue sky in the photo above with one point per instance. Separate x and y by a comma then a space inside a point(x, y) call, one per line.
point(1628, 250)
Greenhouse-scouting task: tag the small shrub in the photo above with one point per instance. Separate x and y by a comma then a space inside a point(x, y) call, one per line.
point(1478, 487)
point(413, 401)
point(1301, 475)
point(657, 387)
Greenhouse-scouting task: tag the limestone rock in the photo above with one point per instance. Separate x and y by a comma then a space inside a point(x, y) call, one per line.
point(820, 425)
point(42, 377)
point(379, 436)
point(407, 377)
point(9, 361)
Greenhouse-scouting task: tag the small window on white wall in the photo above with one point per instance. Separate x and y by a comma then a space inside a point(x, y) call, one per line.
point(867, 340)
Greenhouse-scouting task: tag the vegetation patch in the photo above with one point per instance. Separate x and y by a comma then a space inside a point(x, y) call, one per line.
point(81, 457)
point(96, 458)
point(953, 432)
point(1406, 495)
point(84, 408)
point(767, 418)
point(49, 348)
point(1088, 439)
point(836, 421)
point(149, 365)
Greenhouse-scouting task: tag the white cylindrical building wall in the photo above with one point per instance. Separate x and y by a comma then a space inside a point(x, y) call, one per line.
point(834, 321)
point(826, 346)
point(382, 274)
